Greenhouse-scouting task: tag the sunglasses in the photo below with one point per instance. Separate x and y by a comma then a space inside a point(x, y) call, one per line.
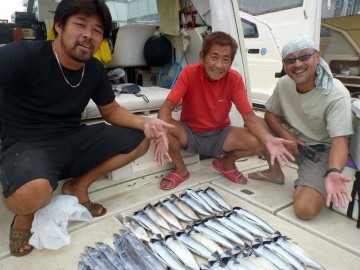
point(301, 58)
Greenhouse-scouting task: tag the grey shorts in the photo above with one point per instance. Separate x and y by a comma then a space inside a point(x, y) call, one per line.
point(62, 156)
point(209, 143)
point(311, 174)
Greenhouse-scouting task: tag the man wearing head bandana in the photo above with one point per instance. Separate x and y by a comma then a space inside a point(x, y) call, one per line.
point(312, 109)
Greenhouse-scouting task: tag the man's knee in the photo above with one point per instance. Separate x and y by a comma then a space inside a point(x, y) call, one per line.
point(307, 202)
point(30, 197)
point(305, 210)
point(255, 145)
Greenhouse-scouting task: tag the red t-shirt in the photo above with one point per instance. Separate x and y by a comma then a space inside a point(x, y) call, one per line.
point(206, 104)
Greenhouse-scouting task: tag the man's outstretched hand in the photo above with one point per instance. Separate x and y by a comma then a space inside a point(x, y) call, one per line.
point(155, 128)
point(277, 150)
point(336, 189)
point(160, 152)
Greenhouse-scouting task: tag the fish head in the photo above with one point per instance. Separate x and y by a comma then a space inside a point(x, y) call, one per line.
point(173, 197)
point(248, 249)
point(229, 213)
point(123, 231)
point(267, 240)
point(256, 243)
point(179, 233)
point(170, 237)
point(90, 249)
point(188, 229)
point(276, 234)
point(226, 255)
point(138, 213)
point(236, 250)
point(158, 204)
point(148, 206)
point(197, 223)
point(215, 256)
point(117, 237)
point(128, 219)
point(157, 236)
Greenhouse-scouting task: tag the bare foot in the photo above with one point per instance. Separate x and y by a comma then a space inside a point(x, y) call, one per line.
point(69, 188)
point(23, 221)
point(268, 175)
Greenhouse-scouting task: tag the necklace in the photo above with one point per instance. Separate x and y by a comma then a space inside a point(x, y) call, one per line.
point(62, 72)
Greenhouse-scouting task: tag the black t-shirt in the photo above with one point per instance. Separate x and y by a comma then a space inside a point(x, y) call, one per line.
point(35, 99)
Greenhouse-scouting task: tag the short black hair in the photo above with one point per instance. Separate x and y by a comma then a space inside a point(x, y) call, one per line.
point(67, 8)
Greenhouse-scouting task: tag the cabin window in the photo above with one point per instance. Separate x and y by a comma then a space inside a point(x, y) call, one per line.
point(265, 6)
point(250, 30)
point(133, 11)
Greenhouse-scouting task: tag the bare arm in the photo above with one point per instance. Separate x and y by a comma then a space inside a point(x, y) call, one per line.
point(335, 182)
point(275, 146)
point(338, 153)
point(274, 123)
point(116, 115)
point(154, 129)
point(166, 109)
point(257, 127)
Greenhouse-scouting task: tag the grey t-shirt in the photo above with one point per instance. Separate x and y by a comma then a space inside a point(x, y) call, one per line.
point(314, 117)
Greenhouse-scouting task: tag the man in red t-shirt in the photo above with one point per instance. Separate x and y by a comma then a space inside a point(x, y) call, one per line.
point(207, 91)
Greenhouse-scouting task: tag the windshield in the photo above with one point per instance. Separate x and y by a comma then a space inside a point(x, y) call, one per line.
point(258, 7)
point(330, 8)
point(339, 8)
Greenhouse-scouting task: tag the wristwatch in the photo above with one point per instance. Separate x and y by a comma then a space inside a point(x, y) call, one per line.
point(330, 170)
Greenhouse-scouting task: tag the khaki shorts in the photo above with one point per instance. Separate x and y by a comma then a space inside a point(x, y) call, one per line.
point(311, 174)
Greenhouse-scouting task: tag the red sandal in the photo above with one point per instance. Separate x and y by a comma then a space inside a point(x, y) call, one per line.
point(175, 179)
point(233, 175)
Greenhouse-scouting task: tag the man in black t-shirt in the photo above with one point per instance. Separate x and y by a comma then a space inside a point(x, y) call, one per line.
point(46, 86)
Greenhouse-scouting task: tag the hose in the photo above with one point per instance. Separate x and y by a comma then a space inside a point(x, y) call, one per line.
point(177, 66)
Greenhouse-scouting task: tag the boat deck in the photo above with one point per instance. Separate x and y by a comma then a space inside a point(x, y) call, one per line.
point(331, 238)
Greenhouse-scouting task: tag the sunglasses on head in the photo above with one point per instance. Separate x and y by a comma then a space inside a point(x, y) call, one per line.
point(302, 58)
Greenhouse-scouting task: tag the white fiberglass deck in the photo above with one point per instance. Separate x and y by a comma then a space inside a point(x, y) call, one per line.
point(331, 238)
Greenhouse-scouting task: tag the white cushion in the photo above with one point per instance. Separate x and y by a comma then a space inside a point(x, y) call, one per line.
point(156, 95)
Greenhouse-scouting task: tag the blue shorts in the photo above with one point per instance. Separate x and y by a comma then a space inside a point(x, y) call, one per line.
point(63, 156)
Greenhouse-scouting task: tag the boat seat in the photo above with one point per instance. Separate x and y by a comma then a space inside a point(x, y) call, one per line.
point(136, 104)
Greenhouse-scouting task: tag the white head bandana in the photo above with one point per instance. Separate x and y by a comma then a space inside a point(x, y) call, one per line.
point(324, 78)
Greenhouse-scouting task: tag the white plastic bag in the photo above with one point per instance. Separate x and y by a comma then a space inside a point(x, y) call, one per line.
point(50, 223)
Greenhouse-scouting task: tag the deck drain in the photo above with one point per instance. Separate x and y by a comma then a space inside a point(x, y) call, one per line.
point(247, 192)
